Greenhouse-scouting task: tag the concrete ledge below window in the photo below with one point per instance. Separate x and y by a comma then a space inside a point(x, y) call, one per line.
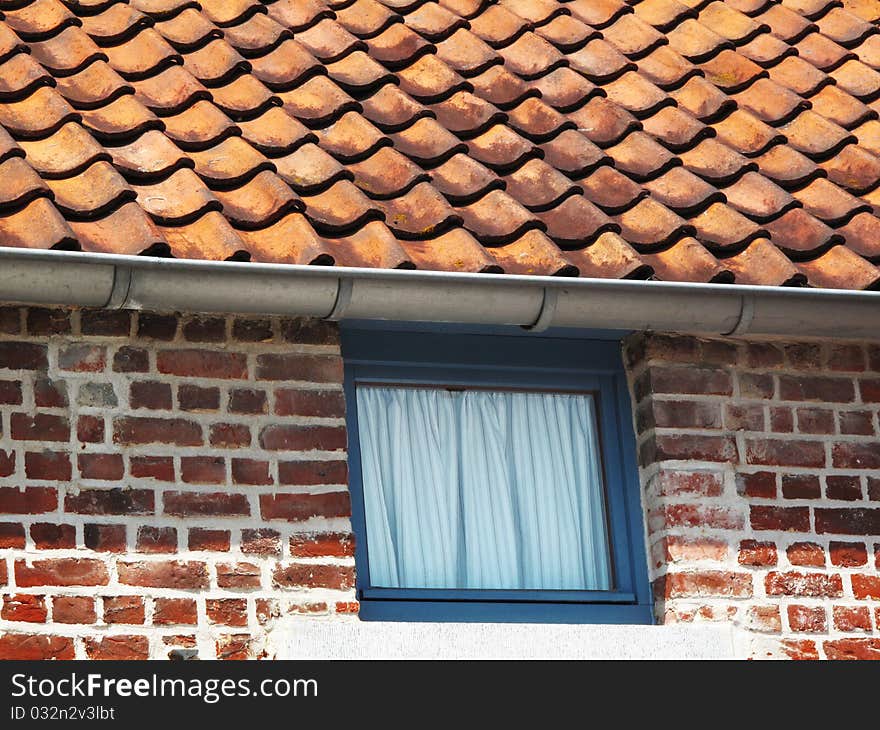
point(304, 638)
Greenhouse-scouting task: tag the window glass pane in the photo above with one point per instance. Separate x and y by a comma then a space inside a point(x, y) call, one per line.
point(482, 489)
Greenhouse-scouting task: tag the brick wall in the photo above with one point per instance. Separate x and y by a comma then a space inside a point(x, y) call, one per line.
point(167, 482)
point(761, 471)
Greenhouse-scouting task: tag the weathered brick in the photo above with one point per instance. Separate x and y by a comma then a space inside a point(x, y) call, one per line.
point(23, 356)
point(815, 420)
point(314, 575)
point(866, 586)
point(105, 538)
point(10, 392)
point(105, 322)
point(52, 536)
point(756, 554)
point(848, 554)
point(129, 359)
point(787, 519)
point(202, 363)
point(165, 574)
point(765, 619)
point(230, 435)
point(856, 455)
point(204, 329)
point(156, 539)
point(761, 484)
point(82, 358)
point(309, 368)
point(61, 572)
point(309, 331)
point(106, 467)
point(248, 400)
point(90, 429)
point(806, 554)
point(217, 504)
point(73, 610)
point(812, 619)
point(238, 575)
point(856, 423)
point(169, 611)
point(297, 507)
point(812, 585)
point(35, 647)
point(851, 618)
point(307, 473)
point(115, 501)
point(227, 611)
point(708, 583)
point(251, 330)
point(853, 521)
point(302, 438)
point(156, 326)
point(322, 545)
point(785, 452)
point(819, 388)
point(124, 610)
point(801, 486)
point(852, 649)
point(263, 541)
point(11, 536)
point(201, 538)
point(117, 647)
point(24, 607)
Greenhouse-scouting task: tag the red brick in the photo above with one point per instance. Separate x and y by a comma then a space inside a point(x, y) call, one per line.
point(352, 607)
point(690, 379)
point(850, 618)
point(169, 611)
point(251, 330)
point(44, 321)
point(846, 358)
point(308, 473)
point(24, 607)
point(815, 420)
point(40, 427)
point(786, 519)
point(756, 554)
point(859, 423)
point(35, 647)
point(230, 435)
point(694, 447)
point(196, 398)
point(117, 647)
point(106, 467)
point(856, 521)
point(816, 388)
point(744, 417)
point(105, 538)
point(856, 455)
point(322, 545)
point(10, 320)
point(49, 465)
point(164, 574)
point(151, 395)
point(201, 538)
point(844, 487)
point(202, 364)
point(763, 355)
point(61, 572)
point(313, 575)
point(672, 483)
point(765, 619)
point(116, 501)
point(132, 430)
point(23, 356)
point(696, 515)
point(52, 536)
point(82, 358)
point(708, 583)
point(785, 452)
point(309, 331)
point(781, 420)
point(131, 360)
point(685, 414)
point(800, 650)
point(261, 542)
point(11, 536)
point(247, 400)
point(7, 463)
point(227, 611)
point(811, 585)
point(756, 385)
point(669, 549)
point(156, 539)
point(90, 429)
point(218, 504)
point(294, 402)
point(870, 390)
point(296, 507)
point(28, 501)
point(848, 554)
point(310, 368)
point(801, 486)
point(761, 484)
point(124, 610)
point(203, 469)
point(866, 586)
point(811, 619)
point(874, 489)
point(50, 393)
point(204, 329)
point(73, 610)
point(238, 575)
point(160, 468)
point(266, 610)
point(302, 438)
point(806, 554)
point(250, 471)
point(105, 323)
point(233, 647)
point(10, 392)
point(853, 649)
point(156, 326)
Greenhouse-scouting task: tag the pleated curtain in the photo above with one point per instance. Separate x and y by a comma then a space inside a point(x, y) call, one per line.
point(482, 489)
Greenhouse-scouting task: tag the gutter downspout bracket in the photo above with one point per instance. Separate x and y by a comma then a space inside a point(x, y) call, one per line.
point(121, 286)
point(746, 315)
point(547, 313)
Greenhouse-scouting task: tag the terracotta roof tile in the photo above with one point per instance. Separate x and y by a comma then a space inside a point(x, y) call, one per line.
point(687, 140)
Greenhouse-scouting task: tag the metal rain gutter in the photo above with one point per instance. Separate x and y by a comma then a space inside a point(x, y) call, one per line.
point(111, 281)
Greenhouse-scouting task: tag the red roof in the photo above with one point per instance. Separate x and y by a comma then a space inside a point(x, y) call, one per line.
point(704, 141)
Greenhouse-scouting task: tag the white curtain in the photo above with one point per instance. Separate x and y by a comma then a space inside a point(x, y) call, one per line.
point(482, 489)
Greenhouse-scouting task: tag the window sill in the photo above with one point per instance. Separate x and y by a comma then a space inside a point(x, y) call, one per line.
point(311, 638)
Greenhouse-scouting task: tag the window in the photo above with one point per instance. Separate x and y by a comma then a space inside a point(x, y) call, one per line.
point(493, 478)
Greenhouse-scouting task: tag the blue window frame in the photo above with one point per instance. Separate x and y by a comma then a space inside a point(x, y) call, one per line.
point(498, 358)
